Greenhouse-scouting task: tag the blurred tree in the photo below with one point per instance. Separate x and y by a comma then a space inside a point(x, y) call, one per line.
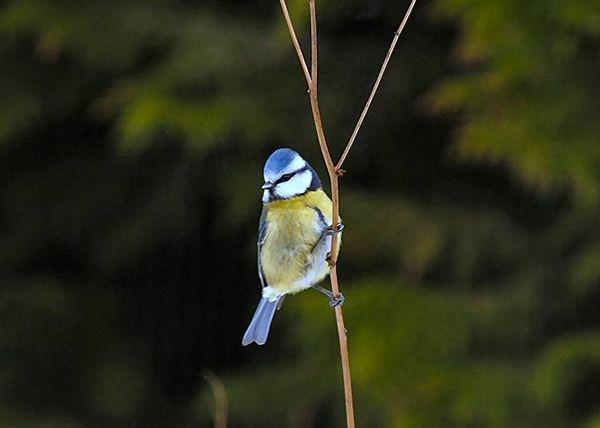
point(132, 138)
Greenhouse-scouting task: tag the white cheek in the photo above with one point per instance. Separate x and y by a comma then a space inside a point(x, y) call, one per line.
point(296, 186)
point(265, 197)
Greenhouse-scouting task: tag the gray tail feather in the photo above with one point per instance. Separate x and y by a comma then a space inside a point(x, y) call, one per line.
point(258, 330)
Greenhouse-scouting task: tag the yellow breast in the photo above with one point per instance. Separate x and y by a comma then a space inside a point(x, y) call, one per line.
point(293, 229)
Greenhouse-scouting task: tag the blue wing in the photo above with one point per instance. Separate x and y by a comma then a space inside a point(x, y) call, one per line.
point(262, 231)
point(322, 219)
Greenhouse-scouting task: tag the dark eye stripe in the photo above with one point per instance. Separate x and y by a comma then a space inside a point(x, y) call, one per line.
point(287, 177)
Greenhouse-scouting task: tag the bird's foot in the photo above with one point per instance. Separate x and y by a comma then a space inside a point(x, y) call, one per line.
point(330, 231)
point(336, 301)
point(329, 261)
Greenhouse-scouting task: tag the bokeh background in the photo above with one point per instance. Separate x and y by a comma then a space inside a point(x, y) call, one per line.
point(132, 138)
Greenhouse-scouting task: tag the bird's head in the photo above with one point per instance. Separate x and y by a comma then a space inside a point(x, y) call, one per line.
point(287, 176)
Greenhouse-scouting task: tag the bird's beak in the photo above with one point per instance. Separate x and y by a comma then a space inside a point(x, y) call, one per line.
point(267, 186)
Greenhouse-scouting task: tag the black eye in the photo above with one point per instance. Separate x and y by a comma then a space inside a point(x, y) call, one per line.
point(285, 177)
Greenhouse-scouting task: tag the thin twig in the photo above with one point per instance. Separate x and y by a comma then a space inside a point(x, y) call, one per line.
point(334, 171)
point(220, 396)
point(314, 102)
point(333, 178)
point(375, 86)
point(295, 42)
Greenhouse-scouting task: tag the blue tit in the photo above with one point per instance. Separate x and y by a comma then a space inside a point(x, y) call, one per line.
point(294, 237)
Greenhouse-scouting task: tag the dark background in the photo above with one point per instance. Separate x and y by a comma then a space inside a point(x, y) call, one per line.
point(132, 139)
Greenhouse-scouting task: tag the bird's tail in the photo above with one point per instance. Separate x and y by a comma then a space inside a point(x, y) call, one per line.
point(258, 330)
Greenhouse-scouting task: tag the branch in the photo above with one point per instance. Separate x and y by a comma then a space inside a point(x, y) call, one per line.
point(220, 396)
point(334, 171)
point(288, 21)
point(313, 85)
point(375, 86)
point(333, 178)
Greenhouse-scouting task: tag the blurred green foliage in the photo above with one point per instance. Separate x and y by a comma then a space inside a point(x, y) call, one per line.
point(531, 102)
point(132, 138)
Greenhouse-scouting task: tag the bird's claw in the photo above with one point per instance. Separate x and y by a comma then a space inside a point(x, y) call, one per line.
point(334, 301)
point(329, 261)
point(330, 231)
point(337, 301)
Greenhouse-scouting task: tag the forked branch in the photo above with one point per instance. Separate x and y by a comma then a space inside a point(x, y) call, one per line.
point(334, 170)
point(333, 179)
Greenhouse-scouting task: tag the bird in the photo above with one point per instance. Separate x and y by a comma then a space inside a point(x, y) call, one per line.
point(294, 238)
